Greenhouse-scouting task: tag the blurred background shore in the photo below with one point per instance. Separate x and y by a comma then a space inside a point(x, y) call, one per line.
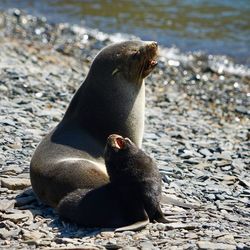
point(214, 27)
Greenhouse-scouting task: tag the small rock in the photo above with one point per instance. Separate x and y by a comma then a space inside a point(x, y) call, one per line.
point(222, 163)
point(107, 235)
point(237, 163)
point(229, 179)
point(244, 183)
point(192, 161)
point(229, 239)
point(147, 245)
point(242, 110)
point(142, 235)
point(111, 245)
point(8, 122)
point(160, 226)
point(210, 196)
point(27, 235)
point(205, 152)
point(187, 154)
point(130, 248)
point(3, 89)
point(226, 168)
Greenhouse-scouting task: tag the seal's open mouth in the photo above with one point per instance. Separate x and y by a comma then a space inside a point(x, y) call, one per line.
point(117, 142)
point(151, 64)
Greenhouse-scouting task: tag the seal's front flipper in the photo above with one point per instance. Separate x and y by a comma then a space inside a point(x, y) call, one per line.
point(159, 216)
point(133, 227)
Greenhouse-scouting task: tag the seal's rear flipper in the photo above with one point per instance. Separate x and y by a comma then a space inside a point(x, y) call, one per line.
point(133, 227)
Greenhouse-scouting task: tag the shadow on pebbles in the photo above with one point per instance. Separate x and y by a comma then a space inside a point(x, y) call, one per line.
point(197, 128)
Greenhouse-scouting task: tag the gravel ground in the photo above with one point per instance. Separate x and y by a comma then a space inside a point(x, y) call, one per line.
point(197, 129)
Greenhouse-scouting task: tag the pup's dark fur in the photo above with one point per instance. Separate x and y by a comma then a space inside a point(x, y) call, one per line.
point(132, 195)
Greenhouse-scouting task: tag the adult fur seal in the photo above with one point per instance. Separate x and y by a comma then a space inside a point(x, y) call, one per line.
point(110, 100)
point(131, 198)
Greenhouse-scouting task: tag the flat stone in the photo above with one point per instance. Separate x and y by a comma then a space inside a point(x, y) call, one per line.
point(35, 235)
point(226, 168)
point(130, 248)
point(107, 234)
point(223, 163)
point(15, 145)
point(242, 110)
point(187, 154)
point(82, 247)
point(192, 161)
point(177, 225)
point(210, 196)
point(4, 233)
point(8, 122)
point(206, 245)
point(237, 163)
point(228, 239)
point(15, 183)
point(6, 204)
point(244, 183)
point(229, 179)
point(13, 169)
point(16, 217)
point(205, 152)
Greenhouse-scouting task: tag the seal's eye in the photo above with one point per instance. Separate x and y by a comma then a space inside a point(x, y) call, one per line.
point(136, 54)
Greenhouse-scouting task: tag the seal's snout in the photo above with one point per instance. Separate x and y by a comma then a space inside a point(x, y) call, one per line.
point(151, 54)
point(152, 47)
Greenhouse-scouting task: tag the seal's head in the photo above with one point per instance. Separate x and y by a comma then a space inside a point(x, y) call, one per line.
point(132, 60)
point(124, 159)
point(117, 143)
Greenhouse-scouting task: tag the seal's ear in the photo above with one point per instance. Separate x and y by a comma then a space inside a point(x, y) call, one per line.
point(116, 70)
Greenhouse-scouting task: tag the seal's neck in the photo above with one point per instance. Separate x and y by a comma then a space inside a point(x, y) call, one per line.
point(105, 107)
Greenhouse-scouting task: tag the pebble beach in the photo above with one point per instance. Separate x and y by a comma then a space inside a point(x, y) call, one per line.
point(197, 129)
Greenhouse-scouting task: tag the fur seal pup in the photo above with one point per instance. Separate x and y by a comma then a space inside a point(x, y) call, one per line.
point(110, 100)
point(131, 198)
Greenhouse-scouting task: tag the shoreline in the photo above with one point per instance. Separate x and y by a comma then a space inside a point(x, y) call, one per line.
point(212, 34)
point(197, 129)
point(218, 61)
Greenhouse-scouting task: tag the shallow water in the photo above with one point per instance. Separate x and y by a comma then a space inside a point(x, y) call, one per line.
point(215, 26)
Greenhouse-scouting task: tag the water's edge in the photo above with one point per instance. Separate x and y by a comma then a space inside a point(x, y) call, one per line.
point(217, 27)
point(218, 63)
